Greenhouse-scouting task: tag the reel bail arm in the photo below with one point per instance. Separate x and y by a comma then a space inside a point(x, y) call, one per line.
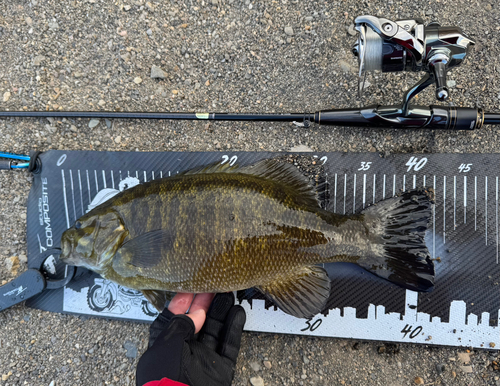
point(409, 45)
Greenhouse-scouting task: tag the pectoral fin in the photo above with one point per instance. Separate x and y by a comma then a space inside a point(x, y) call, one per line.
point(158, 298)
point(302, 294)
point(146, 250)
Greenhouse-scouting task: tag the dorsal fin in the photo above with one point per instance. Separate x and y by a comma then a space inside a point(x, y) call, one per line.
point(279, 171)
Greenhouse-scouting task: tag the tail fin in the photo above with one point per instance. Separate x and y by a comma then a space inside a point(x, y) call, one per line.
point(404, 258)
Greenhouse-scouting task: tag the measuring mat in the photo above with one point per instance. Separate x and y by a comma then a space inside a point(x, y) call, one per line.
point(463, 239)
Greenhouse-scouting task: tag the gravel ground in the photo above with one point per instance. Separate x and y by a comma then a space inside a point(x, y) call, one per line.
point(218, 55)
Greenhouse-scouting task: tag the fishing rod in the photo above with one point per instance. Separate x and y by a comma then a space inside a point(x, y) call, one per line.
point(382, 45)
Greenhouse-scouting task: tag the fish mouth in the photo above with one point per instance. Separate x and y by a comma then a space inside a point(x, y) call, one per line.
point(67, 250)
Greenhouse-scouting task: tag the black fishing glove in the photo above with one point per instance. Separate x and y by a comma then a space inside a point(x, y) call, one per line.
point(205, 359)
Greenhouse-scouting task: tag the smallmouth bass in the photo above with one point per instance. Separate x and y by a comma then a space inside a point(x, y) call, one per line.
point(223, 228)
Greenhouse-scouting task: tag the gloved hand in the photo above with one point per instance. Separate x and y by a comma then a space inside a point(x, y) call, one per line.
point(205, 359)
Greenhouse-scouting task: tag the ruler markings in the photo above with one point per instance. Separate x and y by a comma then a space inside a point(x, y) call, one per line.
point(345, 189)
point(104, 179)
point(394, 185)
point(354, 196)
point(454, 202)
point(65, 198)
point(96, 182)
point(374, 184)
point(335, 195)
point(364, 190)
point(383, 189)
point(444, 209)
point(486, 209)
point(475, 203)
point(414, 181)
point(161, 173)
point(88, 186)
point(424, 183)
point(81, 194)
point(404, 182)
point(112, 180)
point(496, 212)
point(465, 199)
point(434, 223)
point(72, 192)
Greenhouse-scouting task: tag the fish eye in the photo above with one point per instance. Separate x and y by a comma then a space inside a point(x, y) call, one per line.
point(78, 224)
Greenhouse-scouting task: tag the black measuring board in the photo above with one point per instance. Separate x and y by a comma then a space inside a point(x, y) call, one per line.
point(463, 235)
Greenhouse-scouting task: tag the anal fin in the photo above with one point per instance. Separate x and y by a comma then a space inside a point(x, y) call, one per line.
point(302, 294)
point(158, 298)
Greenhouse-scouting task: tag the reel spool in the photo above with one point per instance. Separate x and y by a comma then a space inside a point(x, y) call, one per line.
point(409, 45)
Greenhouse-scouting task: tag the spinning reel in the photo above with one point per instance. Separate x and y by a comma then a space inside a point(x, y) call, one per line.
point(408, 45)
point(383, 45)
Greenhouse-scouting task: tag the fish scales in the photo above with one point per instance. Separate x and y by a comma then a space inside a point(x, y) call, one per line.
point(222, 228)
point(235, 229)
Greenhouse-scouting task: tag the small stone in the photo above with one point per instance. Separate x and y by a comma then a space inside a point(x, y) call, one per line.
point(149, 32)
point(267, 364)
point(6, 96)
point(127, 7)
point(73, 128)
point(492, 344)
point(418, 381)
point(303, 376)
point(157, 72)
point(301, 149)
point(352, 31)
point(93, 123)
point(7, 376)
point(466, 369)
point(53, 26)
point(440, 368)
point(289, 30)
point(130, 346)
point(429, 12)
point(255, 366)
point(37, 61)
point(175, 92)
point(28, 20)
point(12, 264)
point(257, 381)
point(101, 103)
point(52, 383)
point(137, 80)
point(126, 56)
point(118, 139)
point(22, 258)
point(346, 67)
point(122, 33)
point(453, 374)
point(215, 2)
point(108, 123)
point(305, 359)
point(464, 357)
point(451, 83)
